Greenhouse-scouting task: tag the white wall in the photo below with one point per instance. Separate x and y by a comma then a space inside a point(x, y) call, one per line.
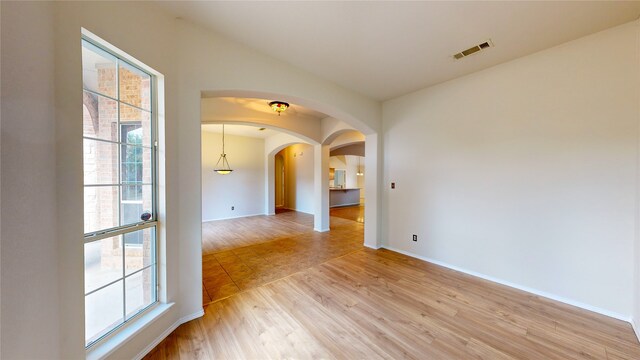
point(525, 172)
point(244, 188)
point(210, 62)
point(349, 163)
point(299, 171)
point(44, 43)
point(635, 321)
point(29, 258)
point(273, 145)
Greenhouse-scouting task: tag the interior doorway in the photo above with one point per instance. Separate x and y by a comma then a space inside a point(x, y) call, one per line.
point(279, 181)
point(347, 177)
point(244, 246)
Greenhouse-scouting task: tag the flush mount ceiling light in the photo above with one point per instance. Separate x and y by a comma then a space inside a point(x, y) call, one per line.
point(224, 168)
point(279, 106)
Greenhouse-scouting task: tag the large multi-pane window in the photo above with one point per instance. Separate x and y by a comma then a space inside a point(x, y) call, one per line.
point(119, 191)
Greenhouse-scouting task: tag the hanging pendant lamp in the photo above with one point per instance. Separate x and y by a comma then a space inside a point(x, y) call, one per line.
point(224, 168)
point(359, 173)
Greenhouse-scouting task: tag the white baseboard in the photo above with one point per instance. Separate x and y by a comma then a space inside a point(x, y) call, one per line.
point(232, 217)
point(296, 210)
point(169, 330)
point(379, 247)
point(519, 287)
point(636, 327)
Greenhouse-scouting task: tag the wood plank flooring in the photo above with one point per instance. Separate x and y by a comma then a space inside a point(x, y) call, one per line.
point(355, 213)
point(377, 304)
point(241, 254)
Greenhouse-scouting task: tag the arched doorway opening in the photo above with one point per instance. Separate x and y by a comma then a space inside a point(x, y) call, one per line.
point(317, 133)
point(347, 176)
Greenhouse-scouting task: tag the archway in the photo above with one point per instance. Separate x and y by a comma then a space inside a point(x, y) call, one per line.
point(336, 122)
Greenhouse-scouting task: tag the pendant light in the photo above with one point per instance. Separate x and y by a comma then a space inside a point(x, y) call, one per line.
point(225, 168)
point(359, 173)
point(279, 106)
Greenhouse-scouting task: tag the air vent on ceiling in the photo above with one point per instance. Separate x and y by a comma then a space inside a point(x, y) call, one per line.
point(472, 50)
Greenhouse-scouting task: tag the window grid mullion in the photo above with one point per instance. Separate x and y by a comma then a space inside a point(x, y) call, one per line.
point(122, 230)
point(140, 270)
point(119, 171)
point(119, 162)
point(123, 184)
point(115, 142)
point(114, 99)
point(124, 282)
point(102, 287)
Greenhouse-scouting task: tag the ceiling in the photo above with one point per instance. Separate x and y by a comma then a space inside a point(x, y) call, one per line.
point(387, 49)
point(257, 108)
point(240, 130)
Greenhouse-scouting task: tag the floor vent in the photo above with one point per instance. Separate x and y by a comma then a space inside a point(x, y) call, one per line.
point(472, 50)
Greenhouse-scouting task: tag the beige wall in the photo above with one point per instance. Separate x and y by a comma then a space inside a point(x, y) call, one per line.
point(29, 251)
point(526, 172)
point(243, 188)
point(530, 164)
point(298, 173)
point(44, 41)
point(279, 180)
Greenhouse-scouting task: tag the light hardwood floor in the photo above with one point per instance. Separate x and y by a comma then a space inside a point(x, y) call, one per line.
point(240, 254)
point(371, 304)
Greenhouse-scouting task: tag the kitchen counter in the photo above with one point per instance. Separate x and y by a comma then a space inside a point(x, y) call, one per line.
point(344, 197)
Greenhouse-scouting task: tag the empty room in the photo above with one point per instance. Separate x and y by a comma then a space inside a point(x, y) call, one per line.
point(320, 180)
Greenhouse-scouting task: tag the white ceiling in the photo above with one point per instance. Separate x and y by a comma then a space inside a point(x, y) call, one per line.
point(239, 130)
point(387, 49)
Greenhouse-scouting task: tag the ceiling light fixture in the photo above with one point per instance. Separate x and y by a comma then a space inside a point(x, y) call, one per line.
point(359, 173)
point(225, 168)
point(279, 106)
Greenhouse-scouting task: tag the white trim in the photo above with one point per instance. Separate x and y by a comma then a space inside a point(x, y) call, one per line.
point(193, 316)
point(379, 247)
point(234, 217)
point(166, 333)
point(122, 54)
point(519, 287)
point(321, 230)
point(107, 346)
point(296, 210)
point(636, 328)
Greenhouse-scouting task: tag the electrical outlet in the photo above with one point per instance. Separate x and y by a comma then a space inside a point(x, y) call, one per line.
point(415, 237)
point(393, 185)
point(233, 208)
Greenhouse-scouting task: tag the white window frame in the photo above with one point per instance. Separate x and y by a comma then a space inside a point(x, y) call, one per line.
point(129, 327)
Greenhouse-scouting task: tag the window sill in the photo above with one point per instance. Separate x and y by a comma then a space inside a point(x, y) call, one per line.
point(104, 348)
